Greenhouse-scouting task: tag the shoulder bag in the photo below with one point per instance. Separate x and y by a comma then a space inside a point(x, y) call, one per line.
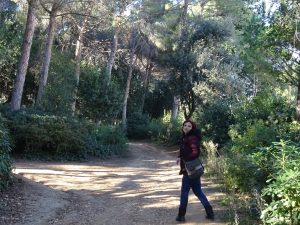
point(194, 168)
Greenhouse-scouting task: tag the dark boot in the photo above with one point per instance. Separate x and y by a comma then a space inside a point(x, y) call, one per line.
point(181, 215)
point(209, 213)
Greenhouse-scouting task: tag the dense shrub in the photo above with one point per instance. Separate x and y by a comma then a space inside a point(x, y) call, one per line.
point(215, 120)
point(11, 33)
point(240, 173)
point(282, 194)
point(95, 95)
point(106, 141)
point(266, 106)
point(59, 92)
point(48, 136)
point(289, 131)
point(138, 125)
point(257, 134)
point(157, 130)
point(52, 137)
point(5, 160)
point(241, 170)
point(165, 132)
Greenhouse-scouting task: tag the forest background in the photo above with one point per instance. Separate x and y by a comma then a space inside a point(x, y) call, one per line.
point(78, 78)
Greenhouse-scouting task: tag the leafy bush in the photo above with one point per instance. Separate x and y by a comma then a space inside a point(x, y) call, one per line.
point(5, 160)
point(106, 141)
point(165, 132)
point(256, 135)
point(240, 173)
point(43, 136)
point(215, 120)
point(243, 170)
point(289, 131)
point(138, 125)
point(282, 194)
point(10, 48)
point(157, 130)
point(266, 106)
point(59, 93)
point(49, 136)
point(95, 95)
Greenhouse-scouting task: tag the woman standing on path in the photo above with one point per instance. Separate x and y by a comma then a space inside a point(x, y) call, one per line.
point(189, 150)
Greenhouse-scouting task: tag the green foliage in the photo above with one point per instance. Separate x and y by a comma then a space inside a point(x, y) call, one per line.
point(138, 125)
point(284, 207)
point(242, 170)
point(5, 160)
point(279, 34)
point(42, 136)
point(215, 120)
point(59, 93)
point(251, 51)
point(48, 136)
point(253, 155)
point(105, 141)
point(289, 131)
point(96, 99)
point(266, 106)
point(208, 30)
point(276, 157)
point(240, 173)
point(157, 130)
point(10, 47)
point(256, 135)
point(165, 132)
point(160, 96)
point(282, 193)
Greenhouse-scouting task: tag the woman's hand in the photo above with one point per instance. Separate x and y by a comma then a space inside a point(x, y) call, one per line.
point(178, 161)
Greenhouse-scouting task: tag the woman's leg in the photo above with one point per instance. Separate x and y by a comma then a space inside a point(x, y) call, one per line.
point(184, 196)
point(196, 187)
point(185, 189)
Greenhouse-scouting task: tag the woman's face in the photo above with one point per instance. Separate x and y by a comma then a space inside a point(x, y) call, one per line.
point(187, 127)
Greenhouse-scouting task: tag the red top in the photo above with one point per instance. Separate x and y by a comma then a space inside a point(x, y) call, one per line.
point(190, 148)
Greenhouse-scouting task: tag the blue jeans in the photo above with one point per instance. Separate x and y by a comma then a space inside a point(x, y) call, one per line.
point(195, 184)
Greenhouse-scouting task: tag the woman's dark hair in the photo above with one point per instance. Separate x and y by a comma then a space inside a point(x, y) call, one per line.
point(190, 121)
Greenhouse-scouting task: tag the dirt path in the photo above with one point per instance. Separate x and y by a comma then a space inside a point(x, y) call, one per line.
point(141, 189)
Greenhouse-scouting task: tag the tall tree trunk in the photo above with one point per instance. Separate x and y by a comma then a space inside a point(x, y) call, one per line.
point(47, 57)
point(183, 28)
point(298, 102)
point(175, 108)
point(78, 56)
point(124, 110)
point(182, 35)
point(255, 85)
point(23, 63)
point(112, 55)
point(146, 81)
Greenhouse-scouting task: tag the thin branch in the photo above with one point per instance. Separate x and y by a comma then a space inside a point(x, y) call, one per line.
point(79, 14)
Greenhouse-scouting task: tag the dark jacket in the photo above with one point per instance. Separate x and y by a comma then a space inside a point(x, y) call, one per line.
point(189, 148)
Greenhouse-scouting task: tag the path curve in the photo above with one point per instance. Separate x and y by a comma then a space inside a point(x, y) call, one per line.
point(141, 189)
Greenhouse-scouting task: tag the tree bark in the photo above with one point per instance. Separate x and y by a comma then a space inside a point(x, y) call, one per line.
point(24, 59)
point(112, 55)
point(298, 102)
point(47, 57)
point(124, 110)
point(182, 34)
point(146, 81)
point(175, 108)
point(78, 56)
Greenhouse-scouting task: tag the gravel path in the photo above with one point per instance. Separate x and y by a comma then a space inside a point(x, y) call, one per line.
point(142, 188)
